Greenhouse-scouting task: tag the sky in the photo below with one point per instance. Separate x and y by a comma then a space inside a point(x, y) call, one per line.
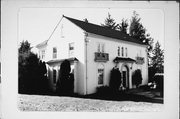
point(36, 24)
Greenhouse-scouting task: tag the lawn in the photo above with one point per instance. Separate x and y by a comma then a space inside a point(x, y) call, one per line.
point(65, 103)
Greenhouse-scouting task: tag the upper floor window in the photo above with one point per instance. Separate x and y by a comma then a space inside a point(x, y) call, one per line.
point(71, 49)
point(42, 54)
point(54, 52)
point(122, 51)
point(126, 52)
point(118, 51)
point(101, 47)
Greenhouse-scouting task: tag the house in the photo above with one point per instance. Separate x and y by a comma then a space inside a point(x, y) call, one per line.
point(93, 51)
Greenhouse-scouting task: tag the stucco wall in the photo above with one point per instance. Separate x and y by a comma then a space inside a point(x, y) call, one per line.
point(70, 33)
point(111, 46)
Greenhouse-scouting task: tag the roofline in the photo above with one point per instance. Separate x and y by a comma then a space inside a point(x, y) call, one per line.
point(145, 45)
point(138, 42)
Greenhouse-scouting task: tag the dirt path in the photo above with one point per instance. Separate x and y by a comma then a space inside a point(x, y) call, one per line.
point(55, 103)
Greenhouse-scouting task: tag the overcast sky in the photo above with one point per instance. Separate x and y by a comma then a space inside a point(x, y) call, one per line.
point(36, 24)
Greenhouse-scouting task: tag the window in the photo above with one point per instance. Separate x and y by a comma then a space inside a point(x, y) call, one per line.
point(71, 49)
point(54, 76)
point(54, 52)
point(122, 51)
point(126, 52)
point(118, 51)
point(42, 54)
point(101, 47)
point(100, 75)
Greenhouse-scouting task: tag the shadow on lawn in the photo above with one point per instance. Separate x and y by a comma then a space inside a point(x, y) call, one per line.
point(121, 96)
point(113, 96)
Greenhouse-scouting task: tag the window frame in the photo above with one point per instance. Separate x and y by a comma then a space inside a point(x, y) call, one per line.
point(43, 54)
point(71, 51)
point(100, 68)
point(122, 51)
point(101, 47)
point(119, 51)
point(54, 53)
point(126, 52)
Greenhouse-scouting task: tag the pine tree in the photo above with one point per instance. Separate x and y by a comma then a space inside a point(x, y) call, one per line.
point(157, 59)
point(123, 26)
point(110, 23)
point(32, 72)
point(137, 31)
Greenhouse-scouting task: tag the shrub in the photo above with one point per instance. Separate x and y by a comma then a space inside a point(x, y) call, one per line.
point(115, 79)
point(65, 84)
point(104, 90)
point(32, 74)
point(137, 77)
point(159, 80)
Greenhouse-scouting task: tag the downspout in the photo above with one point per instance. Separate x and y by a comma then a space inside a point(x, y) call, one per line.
point(86, 41)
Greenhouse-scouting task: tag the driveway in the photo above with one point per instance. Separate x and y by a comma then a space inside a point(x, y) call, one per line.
point(63, 103)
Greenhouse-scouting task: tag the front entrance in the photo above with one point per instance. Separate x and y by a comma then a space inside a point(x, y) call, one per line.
point(125, 77)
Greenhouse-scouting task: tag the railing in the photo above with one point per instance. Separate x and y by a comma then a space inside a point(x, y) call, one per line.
point(101, 57)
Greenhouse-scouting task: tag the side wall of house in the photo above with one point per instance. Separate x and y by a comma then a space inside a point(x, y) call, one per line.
point(111, 47)
point(67, 33)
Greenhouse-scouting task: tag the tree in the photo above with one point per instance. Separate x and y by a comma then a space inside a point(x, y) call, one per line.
point(25, 47)
point(115, 79)
point(86, 20)
point(110, 23)
point(32, 72)
point(123, 26)
point(137, 77)
point(65, 83)
point(137, 31)
point(157, 59)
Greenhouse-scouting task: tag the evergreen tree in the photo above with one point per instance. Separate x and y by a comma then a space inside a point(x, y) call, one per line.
point(110, 23)
point(25, 47)
point(86, 20)
point(137, 31)
point(32, 72)
point(157, 59)
point(123, 26)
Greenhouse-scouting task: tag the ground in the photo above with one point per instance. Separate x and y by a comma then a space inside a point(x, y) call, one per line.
point(64, 103)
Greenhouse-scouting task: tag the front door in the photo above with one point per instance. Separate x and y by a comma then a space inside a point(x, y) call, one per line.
point(125, 79)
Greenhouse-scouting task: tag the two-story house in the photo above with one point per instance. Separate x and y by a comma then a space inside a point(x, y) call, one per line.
point(93, 51)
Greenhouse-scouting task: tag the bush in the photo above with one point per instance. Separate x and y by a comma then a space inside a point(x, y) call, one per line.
point(137, 77)
point(151, 72)
point(159, 80)
point(104, 90)
point(65, 84)
point(32, 74)
point(115, 79)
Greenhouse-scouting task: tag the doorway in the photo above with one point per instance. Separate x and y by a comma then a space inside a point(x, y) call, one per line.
point(125, 77)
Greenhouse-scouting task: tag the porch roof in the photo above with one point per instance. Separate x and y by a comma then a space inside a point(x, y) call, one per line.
point(119, 59)
point(61, 60)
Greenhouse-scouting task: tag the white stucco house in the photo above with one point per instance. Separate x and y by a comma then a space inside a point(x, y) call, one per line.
point(93, 51)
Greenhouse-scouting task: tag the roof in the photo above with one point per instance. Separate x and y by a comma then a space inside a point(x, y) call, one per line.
point(42, 43)
point(103, 31)
point(61, 60)
point(118, 59)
